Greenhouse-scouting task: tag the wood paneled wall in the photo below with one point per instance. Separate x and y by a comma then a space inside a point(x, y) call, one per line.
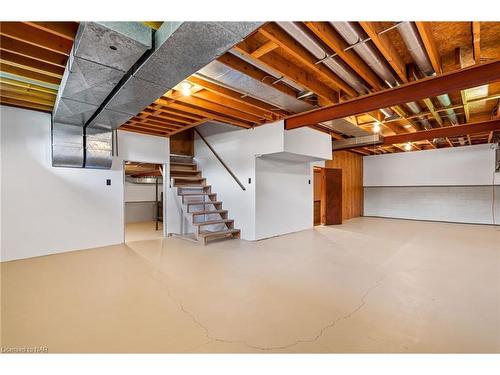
point(352, 182)
point(182, 143)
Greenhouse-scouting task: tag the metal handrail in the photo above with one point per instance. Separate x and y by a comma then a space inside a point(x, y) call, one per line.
point(221, 161)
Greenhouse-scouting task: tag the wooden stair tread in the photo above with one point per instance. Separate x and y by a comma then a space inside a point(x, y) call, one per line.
point(206, 234)
point(199, 203)
point(190, 171)
point(212, 222)
point(193, 186)
point(195, 194)
point(182, 163)
point(212, 212)
point(188, 178)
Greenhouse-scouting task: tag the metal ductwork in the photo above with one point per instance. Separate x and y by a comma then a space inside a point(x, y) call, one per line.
point(274, 75)
point(413, 42)
point(354, 36)
point(101, 56)
point(345, 127)
point(116, 69)
point(243, 83)
point(180, 49)
point(367, 140)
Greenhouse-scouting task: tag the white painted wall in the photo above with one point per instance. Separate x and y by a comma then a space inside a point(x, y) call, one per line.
point(239, 149)
point(452, 184)
point(47, 210)
point(283, 196)
point(467, 165)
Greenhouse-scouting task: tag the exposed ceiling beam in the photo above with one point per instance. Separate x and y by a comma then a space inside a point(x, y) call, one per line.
point(227, 102)
point(424, 29)
point(202, 112)
point(432, 110)
point(36, 37)
point(65, 30)
point(325, 32)
point(448, 131)
point(234, 62)
point(473, 76)
point(263, 49)
point(27, 63)
point(25, 104)
point(276, 34)
point(386, 48)
point(6, 68)
point(190, 126)
point(476, 40)
point(302, 77)
point(25, 49)
point(233, 94)
point(219, 108)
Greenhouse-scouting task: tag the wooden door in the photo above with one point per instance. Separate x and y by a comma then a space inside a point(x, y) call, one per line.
point(332, 197)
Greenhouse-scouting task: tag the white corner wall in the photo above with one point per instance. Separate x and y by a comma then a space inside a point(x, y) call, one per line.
point(452, 184)
point(47, 210)
point(283, 197)
point(254, 155)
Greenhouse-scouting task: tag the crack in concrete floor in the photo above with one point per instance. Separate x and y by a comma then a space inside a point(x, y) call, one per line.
point(211, 339)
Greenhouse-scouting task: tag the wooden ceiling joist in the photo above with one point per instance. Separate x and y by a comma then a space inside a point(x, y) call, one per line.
point(445, 132)
point(476, 41)
point(200, 112)
point(29, 74)
point(304, 78)
point(473, 76)
point(33, 52)
point(277, 35)
point(230, 103)
point(234, 95)
point(424, 29)
point(263, 49)
point(66, 30)
point(208, 105)
point(28, 63)
point(242, 66)
point(28, 34)
point(325, 32)
point(386, 48)
point(25, 104)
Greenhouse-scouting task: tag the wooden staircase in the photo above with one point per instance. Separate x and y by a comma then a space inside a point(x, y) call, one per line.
point(199, 202)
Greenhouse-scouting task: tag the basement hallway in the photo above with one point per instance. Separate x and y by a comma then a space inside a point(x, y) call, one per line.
point(369, 285)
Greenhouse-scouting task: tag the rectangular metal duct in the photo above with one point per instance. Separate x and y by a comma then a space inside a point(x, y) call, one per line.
point(101, 55)
point(180, 50)
point(98, 148)
point(345, 127)
point(367, 140)
point(67, 145)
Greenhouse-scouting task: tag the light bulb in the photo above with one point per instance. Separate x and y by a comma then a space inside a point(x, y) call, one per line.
point(185, 88)
point(408, 146)
point(376, 127)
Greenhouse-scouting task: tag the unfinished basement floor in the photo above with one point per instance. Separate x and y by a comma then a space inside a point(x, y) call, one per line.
point(370, 285)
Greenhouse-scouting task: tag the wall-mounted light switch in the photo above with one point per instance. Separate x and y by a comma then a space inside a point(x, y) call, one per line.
point(108, 182)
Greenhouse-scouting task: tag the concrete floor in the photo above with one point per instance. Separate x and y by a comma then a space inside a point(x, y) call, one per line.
point(370, 285)
point(142, 231)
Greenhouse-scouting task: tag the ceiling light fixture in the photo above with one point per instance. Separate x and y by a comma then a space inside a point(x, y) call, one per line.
point(376, 127)
point(185, 88)
point(408, 146)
